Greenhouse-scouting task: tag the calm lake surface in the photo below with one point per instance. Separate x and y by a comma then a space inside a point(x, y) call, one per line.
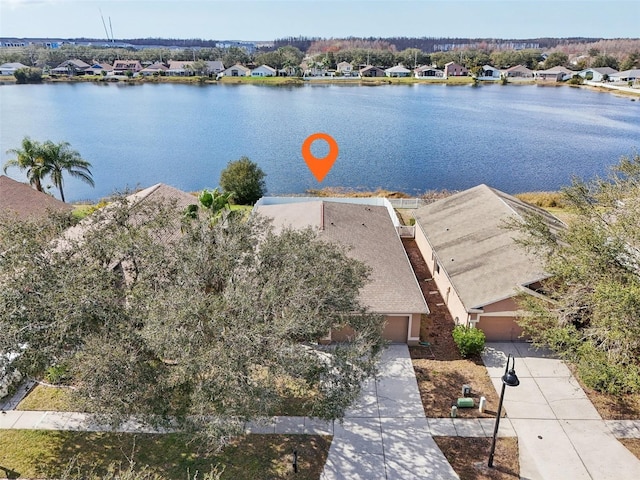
point(399, 137)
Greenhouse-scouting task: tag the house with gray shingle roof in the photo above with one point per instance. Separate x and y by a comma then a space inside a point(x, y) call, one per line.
point(555, 74)
point(368, 232)
point(476, 265)
point(518, 72)
point(598, 74)
point(22, 200)
point(71, 67)
point(10, 68)
point(397, 71)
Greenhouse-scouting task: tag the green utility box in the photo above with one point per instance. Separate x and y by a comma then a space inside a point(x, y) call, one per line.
point(466, 402)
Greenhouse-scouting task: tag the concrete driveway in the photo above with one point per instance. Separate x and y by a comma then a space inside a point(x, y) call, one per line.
point(386, 435)
point(560, 433)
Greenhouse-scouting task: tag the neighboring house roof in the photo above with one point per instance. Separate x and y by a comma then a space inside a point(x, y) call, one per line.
point(238, 67)
point(133, 65)
point(20, 199)
point(266, 69)
point(156, 67)
point(371, 237)
point(555, 71)
point(519, 69)
point(214, 66)
point(427, 68)
point(160, 193)
point(398, 69)
point(466, 232)
point(369, 68)
point(12, 66)
point(633, 73)
point(179, 65)
point(79, 64)
point(603, 70)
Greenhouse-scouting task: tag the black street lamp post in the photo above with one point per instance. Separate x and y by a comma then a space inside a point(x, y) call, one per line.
point(511, 379)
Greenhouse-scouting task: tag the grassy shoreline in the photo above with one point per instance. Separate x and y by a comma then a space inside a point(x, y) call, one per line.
point(298, 81)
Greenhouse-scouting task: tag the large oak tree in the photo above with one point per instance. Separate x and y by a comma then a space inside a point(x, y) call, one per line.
point(186, 322)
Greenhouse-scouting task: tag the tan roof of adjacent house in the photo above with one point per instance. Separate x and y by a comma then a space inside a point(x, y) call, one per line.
point(20, 199)
point(478, 255)
point(371, 237)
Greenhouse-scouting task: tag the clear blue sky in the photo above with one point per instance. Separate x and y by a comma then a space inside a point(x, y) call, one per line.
point(269, 19)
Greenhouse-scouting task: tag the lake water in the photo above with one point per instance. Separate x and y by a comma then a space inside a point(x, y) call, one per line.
point(399, 137)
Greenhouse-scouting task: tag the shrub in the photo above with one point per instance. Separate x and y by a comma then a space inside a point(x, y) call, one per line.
point(597, 372)
point(57, 374)
point(28, 75)
point(244, 180)
point(470, 341)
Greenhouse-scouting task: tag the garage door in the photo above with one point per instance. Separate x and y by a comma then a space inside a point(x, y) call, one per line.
point(396, 328)
point(345, 334)
point(500, 329)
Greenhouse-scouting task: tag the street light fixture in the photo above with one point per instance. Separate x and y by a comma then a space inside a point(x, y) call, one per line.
point(508, 379)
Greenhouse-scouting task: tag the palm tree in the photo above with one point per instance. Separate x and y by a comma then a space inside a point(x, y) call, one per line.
point(59, 158)
point(30, 158)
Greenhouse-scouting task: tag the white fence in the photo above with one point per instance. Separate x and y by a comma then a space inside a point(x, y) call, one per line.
point(406, 231)
point(406, 202)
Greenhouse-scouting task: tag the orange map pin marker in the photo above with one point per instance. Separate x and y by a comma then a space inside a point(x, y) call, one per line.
point(320, 166)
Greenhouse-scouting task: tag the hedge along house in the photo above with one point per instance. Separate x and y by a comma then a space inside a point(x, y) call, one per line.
point(369, 232)
point(476, 265)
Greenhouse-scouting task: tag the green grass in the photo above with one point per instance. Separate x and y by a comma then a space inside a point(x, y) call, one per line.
point(263, 80)
point(38, 454)
point(81, 211)
point(294, 397)
point(48, 398)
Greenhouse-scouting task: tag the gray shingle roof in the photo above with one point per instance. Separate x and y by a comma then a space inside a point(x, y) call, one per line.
point(371, 236)
point(479, 256)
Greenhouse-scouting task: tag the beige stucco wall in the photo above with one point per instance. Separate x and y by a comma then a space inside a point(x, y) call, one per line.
point(453, 302)
point(400, 327)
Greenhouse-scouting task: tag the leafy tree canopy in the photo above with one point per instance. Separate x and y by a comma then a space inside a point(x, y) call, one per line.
point(244, 179)
point(183, 322)
point(556, 59)
point(49, 159)
point(591, 315)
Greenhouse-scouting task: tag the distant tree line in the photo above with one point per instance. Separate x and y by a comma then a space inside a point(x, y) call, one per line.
point(621, 54)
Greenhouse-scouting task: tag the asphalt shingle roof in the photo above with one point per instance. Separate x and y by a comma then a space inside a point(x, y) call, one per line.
point(371, 237)
point(467, 234)
point(24, 201)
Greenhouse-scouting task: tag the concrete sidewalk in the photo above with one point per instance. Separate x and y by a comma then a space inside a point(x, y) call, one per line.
point(560, 433)
point(386, 435)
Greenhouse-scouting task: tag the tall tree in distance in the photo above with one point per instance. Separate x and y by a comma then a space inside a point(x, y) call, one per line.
point(30, 158)
point(244, 180)
point(60, 158)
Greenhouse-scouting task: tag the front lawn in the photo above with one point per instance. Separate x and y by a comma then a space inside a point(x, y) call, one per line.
point(294, 399)
point(38, 454)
